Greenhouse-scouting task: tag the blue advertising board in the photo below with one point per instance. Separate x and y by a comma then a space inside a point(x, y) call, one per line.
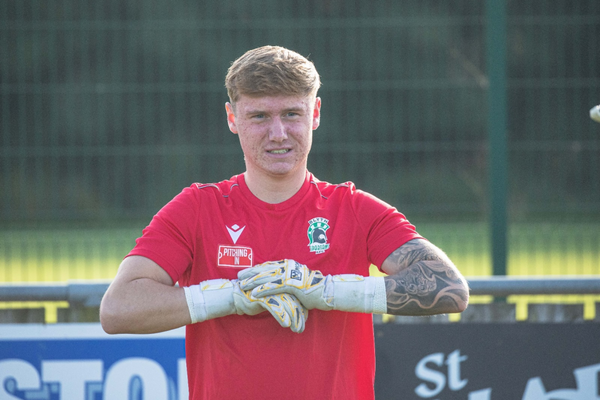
point(82, 362)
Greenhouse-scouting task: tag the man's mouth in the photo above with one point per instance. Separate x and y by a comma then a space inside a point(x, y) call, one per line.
point(279, 151)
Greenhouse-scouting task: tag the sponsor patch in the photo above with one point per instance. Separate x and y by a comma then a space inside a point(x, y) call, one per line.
point(235, 256)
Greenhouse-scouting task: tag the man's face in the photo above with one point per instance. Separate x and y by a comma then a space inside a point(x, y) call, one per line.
point(275, 132)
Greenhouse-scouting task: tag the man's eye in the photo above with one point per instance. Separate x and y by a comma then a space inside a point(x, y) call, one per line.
point(258, 116)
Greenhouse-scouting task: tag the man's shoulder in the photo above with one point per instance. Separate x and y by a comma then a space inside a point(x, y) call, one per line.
point(222, 188)
point(342, 190)
point(347, 192)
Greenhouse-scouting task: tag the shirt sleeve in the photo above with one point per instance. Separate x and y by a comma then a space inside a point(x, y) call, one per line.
point(386, 228)
point(169, 238)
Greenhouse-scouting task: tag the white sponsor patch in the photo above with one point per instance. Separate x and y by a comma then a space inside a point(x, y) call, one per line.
point(235, 256)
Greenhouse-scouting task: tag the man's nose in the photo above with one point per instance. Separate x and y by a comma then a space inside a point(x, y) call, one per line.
point(277, 131)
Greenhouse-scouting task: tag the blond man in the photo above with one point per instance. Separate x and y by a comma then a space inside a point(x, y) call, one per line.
point(275, 238)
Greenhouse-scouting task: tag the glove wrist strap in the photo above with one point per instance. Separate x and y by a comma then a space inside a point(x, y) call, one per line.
point(355, 293)
point(210, 299)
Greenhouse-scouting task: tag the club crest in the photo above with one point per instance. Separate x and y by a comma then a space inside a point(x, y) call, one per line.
point(317, 236)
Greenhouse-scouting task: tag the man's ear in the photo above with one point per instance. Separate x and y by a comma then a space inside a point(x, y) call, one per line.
point(317, 113)
point(230, 117)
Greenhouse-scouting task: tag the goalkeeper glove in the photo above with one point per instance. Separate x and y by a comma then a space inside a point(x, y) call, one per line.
point(345, 292)
point(220, 297)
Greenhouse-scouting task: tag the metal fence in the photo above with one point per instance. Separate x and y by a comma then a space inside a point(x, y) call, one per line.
point(79, 301)
point(108, 109)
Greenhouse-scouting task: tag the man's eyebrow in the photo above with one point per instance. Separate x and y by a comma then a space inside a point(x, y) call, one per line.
point(286, 110)
point(293, 109)
point(254, 112)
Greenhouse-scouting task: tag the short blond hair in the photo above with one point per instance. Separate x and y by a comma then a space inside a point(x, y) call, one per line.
point(271, 71)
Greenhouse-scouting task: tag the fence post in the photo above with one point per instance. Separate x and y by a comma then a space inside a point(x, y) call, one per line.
point(497, 125)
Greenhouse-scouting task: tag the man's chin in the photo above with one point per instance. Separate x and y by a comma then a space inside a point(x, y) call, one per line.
point(284, 171)
point(281, 168)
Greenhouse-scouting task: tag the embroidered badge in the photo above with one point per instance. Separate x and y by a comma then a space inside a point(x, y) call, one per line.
point(317, 236)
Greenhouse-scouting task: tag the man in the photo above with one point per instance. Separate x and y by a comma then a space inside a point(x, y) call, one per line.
point(275, 238)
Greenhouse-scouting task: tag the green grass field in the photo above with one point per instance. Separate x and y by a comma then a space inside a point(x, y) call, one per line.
point(44, 255)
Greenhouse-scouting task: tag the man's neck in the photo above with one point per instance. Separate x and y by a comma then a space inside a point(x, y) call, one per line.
point(275, 189)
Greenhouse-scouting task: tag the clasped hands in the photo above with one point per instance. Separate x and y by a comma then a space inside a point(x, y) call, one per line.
point(306, 289)
point(284, 282)
point(287, 276)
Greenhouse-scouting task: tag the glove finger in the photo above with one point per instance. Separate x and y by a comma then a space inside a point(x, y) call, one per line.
point(277, 309)
point(298, 313)
point(266, 276)
point(260, 268)
point(245, 304)
point(273, 288)
point(247, 273)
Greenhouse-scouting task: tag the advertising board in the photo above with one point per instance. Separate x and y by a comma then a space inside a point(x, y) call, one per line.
point(81, 362)
point(430, 361)
point(520, 361)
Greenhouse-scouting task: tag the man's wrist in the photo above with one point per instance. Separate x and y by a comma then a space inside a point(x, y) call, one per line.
point(192, 298)
point(210, 299)
point(379, 295)
point(356, 293)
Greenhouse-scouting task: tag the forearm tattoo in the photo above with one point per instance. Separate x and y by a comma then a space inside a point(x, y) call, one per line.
point(427, 284)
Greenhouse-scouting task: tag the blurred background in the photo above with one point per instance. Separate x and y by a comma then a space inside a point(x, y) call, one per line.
point(108, 109)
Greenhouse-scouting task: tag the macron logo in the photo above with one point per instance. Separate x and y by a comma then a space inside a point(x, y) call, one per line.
point(235, 231)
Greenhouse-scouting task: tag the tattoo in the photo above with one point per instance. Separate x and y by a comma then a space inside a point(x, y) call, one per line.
point(427, 282)
point(414, 251)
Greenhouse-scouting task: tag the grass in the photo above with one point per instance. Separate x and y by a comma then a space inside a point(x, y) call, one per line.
point(60, 255)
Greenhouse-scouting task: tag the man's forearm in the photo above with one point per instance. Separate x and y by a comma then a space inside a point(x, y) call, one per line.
point(423, 281)
point(144, 306)
point(426, 288)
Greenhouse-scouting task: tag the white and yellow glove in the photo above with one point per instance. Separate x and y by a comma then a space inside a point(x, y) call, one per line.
point(346, 292)
point(220, 297)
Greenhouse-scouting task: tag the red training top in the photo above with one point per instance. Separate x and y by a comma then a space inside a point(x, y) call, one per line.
point(212, 231)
